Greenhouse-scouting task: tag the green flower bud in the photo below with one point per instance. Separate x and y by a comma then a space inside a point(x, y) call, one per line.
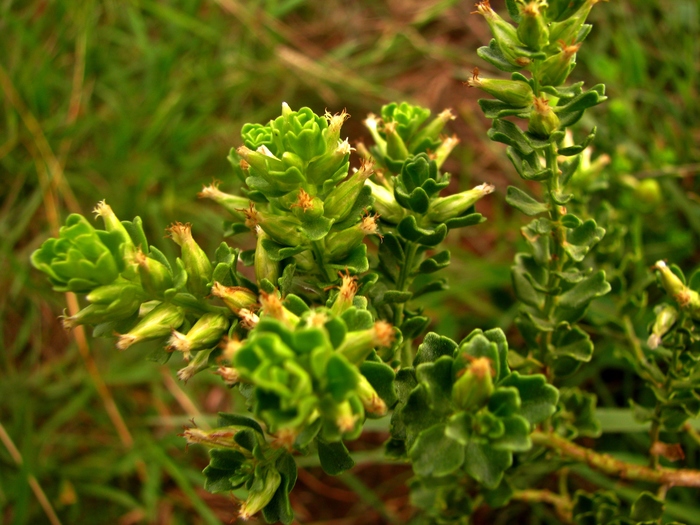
point(395, 145)
point(346, 419)
point(514, 92)
point(159, 322)
point(122, 307)
point(444, 208)
point(340, 244)
point(431, 132)
point(196, 365)
point(265, 268)
point(284, 230)
point(666, 317)
point(332, 133)
point(385, 203)
point(156, 278)
point(372, 124)
point(532, 29)
point(113, 224)
point(358, 345)
point(330, 165)
point(556, 68)
point(273, 307)
point(444, 149)
point(373, 404)
point(262, 160)
point(687, 299)
point(307, 206)
point(505, 34)
point(567, 30)
point(216, 438)
point(206, 332)
point(235, 297)
point(340, 200)
point(346, 294)
point(543, 121)
point(81, 258)
point(197, 264)
point(267, 479)
point(109, 293)
point(474, 387)
point(234, 204)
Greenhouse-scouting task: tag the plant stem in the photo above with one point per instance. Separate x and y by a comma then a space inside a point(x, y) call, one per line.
point(402, 284)
point(615, 467)
point(562, 504)
point(318, 249)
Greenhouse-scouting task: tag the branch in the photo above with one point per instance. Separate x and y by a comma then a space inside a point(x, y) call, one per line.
point(562, 505)
point(614, 467)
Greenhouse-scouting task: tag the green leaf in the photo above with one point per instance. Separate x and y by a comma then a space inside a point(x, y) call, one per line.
point(437, 262)
point(572, 342)
point(433, 347)
point(528, 279)
point(435, 454)
point(277, 252)
point(538, 399)
point(381, 376)
point(578, 148)
point(355, 262)
point(409, 229)
point(571, 221)
point(527, 166)
point(395, 296)
point(492, 54)
point(414, 326)
point(516, 436)
point(234, 420)
point(433, 286)
point(486, 464)
point(508, 133)
point(334, 457)
point(581, 239)
point(523, 202)
point(572, 304)
point(647, 508)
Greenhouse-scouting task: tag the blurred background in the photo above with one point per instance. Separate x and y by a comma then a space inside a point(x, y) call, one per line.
point(139, 101)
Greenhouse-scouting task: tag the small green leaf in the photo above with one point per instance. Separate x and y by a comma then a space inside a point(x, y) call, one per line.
point(538, 399)
point(437, 262)
point(433, 347)
point(572, 304)
point(573, 342)
point(523, 202)
point(334, 457)
point(581, 239)
point(508, 133)
point(647, 507)
point(435, 454)
point(486, 464)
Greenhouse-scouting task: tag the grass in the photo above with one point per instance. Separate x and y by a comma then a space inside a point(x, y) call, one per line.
point(138, 102)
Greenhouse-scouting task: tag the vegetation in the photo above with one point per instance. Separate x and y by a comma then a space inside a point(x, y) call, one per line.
point(529, 391)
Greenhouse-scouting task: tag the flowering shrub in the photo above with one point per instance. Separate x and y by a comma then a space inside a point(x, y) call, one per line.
point(325, 335)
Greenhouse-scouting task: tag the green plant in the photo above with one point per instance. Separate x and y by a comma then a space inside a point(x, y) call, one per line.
point(322, 338)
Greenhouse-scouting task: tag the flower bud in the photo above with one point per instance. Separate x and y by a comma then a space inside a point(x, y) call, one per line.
point(505, 34)
point(514, 92)
point(273, 307)
point(556, 68)
point(267, 479)
point(159, 322)
point(234, 204)
point(444, 149)
point(284, 230)
point(543, 120)
point(686, 298)
point(206, 332)
point(265, 268)
point(216, 438)
point(666, 317)
point(648, 192)
point(444, 208)
point(373, 404)
point(346, 294)
point(372, 124)
point(262, 160)
point(113, 224)
point(532, 29)
point(385, 203)
point(474, 387)
point(109, 293)
point(156, 278)
point(340, 244)
point(307, 206)
point(196, 262)
point(196, 365)
point(304, 261)
point(235, 297)
point(345, 419)
point(432, 130)
point(358, 345)
point(326, 166)
point(332, 133)
point(93, 314)
point(230, 375)
point(340, 200)
point(395, 146)
point(567, 30)
point(248, 319)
